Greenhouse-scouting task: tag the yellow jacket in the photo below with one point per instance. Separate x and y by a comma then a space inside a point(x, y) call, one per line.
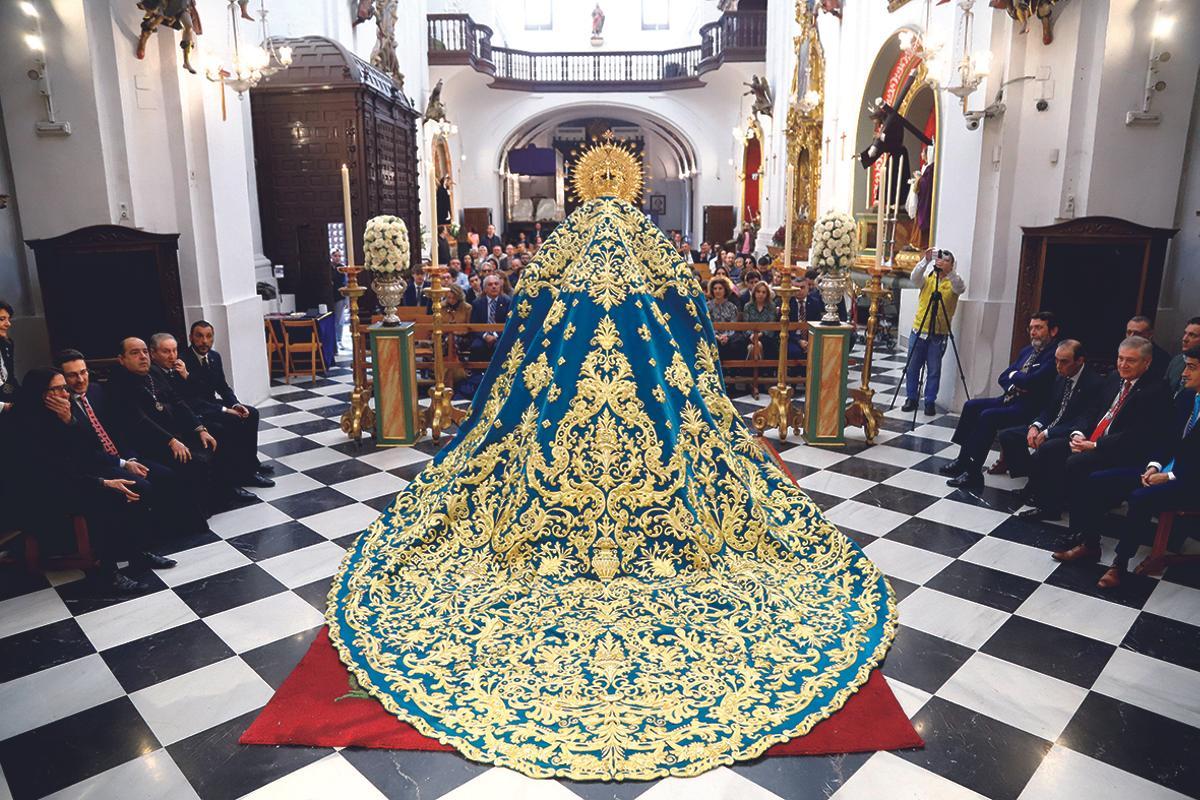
point(949, 288)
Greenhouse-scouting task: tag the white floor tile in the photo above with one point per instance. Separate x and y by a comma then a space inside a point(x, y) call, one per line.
point(1155, 685)
point(866, 518)
point(287, 485)
point(294, 418)
point(313, 403)
point(275, 435)
point(334, 388)
point(154, 776)
point(964, 515)
point(134, 619)
point(899, 560)
point(499, 782)
point(392, 457)
point(717, 784)
point(369, 486)
point(1087, 616)
point(886, 775)
point(938, 432)
point(1067, 775)
point(922, 482)
point(963, 621)
point(910, 698)
point(896, 456)
point(197, 700)
point(264, 621)
point(332, 776)
point(311, 459)
point(341, 521)
point(1014, 557)
point(305, 565)
point(28, 611)
point(200, 562)
point(326, 438)
point(835, 483)
point(1026, 699)
point(810, 456)
point(249, 518)
point(1175, 601)
point(34, 700)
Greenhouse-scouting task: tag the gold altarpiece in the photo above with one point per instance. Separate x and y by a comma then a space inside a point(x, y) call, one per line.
point(805, 126)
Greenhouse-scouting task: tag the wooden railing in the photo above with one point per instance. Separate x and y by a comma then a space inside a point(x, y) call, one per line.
point(736, 36)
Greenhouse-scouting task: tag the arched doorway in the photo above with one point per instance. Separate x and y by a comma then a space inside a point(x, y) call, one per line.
point(900, 78)
point(750, 175)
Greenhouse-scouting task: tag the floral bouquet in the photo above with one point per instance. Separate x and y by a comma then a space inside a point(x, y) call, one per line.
point(385, 246)
point(834, 242)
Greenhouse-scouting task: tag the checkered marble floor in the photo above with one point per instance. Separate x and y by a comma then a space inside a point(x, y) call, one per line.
point(1023, 679)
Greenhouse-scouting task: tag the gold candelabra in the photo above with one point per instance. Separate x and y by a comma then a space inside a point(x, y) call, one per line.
point(359, 415)
point(441, 412)
point(780, 412)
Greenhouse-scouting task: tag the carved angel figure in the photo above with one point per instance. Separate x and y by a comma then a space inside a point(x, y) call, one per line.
point(763, 101)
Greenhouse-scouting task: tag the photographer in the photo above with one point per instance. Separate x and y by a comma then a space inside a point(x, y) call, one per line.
point(933, 273)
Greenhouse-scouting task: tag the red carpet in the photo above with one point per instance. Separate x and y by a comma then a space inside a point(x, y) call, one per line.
point(307, 711)
point(315, 707)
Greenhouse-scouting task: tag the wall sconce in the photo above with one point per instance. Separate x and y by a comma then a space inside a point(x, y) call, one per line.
point(51, 126)
point(974, 66)
point(1163, 25)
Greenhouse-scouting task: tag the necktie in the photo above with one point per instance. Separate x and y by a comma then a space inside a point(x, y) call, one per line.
point(105, 440)
point(1062, 408)
point(1111, 414)
point(491, 318)
point(1191, 423)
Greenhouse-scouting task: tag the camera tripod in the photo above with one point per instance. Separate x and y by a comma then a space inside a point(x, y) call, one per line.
point(927, 326)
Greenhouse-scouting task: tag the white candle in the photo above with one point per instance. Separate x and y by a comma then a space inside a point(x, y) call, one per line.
point(346, 213)
point(788, 212)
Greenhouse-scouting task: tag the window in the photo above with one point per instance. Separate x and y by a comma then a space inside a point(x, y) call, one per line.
point(539, 15)
point(656, 15)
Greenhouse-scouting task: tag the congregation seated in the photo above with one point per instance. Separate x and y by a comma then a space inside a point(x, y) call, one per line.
point(761, 307)
point(1027, 384)
point(1074, 392)
point(414, 292)
point(721, 308)
point(233, 423)
point(492, 308)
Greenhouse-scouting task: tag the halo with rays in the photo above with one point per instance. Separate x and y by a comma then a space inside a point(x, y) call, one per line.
point(607, 168)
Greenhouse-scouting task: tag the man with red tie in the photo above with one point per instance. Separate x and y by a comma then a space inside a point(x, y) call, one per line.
point(1125, 428)
point(1169, 482)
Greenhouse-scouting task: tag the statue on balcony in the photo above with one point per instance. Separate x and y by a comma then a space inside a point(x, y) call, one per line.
point(435, 111)
point(1024, 10)
point(597, 26)
point(763, 101)
point(175, 14)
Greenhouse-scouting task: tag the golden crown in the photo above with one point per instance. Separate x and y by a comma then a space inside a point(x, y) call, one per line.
point(607, 169)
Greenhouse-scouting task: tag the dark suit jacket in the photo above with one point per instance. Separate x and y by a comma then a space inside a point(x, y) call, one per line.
point(1031, 388)
point(411, 298)
point(1140, 427)
point(1158, 366)
point(479, 314)
point(140, 421)
point(82, 438)
point(1185, 450)
point(1088, 385)
point(490, 241)
point(209, 388)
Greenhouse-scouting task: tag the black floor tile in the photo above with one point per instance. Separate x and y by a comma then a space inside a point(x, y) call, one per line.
point(287, 447)
point(902, 588)
point(988, 497)
point(312, 502)
point(1134, 590)
point(229, 589)
point(823, 501)
point(277, 411)
point(275, 661)
point(276, 540)
point(858, 537)
point(867, 470)
point(919, 444)
point(985, 755)
point(64, 752)
point(341, 471)
point(381, 503)
point(165, 655)
point(894, 498)
point(983, 585)
point(1041, 535)
point(1137, 741)
point(344, 542)
point(219, 768)
point(1165, 639)
point(935, 536)
point(923, 660)
point(92, 595)
point(316, 594)
point(1051, 651)
point(41, 648)
point(932, 464)
point(313, 425)
point(406, 773)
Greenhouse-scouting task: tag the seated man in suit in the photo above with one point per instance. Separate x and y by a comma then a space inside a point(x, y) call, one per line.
point(234, 423)
point(1191, 338)
point(100, 449)
point(1144, 327)
point(1075, 391)
point(491, 308)
point(228, 468)
point(159, 424)
point(414, 292)
point(1026, 382)
point(1171, 482)
point(1124, 429)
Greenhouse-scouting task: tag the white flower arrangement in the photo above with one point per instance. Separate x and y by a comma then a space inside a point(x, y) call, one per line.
point(385, 245)
point(834, 242)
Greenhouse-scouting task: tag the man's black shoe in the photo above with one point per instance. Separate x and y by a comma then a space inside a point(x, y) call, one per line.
point(909, 405)
point(1040, 514)
point(148, 560)
point(259, 481)
point(930, 410)
point(238, 493)
point(955, 467)
point(265, 469)
point(967, 480)
point(126, 585)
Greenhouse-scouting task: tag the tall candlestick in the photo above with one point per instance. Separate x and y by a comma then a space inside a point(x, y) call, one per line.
point(346, 214)
point(880, 213)
point(787, 225)
point(431, 194)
